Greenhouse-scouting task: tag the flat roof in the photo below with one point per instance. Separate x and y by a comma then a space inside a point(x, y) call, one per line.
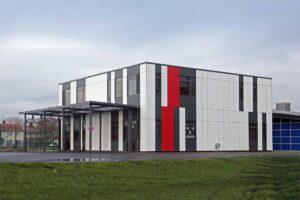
point(286, 114)
point(195, 68)
point(79, 108)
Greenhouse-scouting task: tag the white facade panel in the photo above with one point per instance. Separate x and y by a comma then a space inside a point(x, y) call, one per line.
point(71, 133)
point(87, 133)
point(125, 86)
point(226, 94)
point(231, 94)
point(212, 116)
point(199, 130)
point(96, 88)
point(212, 135)
point(269, 132)
point(211, 92)
point(73, 92)
point(164, 86)
point(106, 131)
point(120, 130)
point(204, 136)
point(147, 107)
point(112, 90)
point(259, 132)
point(81, 132)
point(150, 85)
point(143, 109)
point(61, 136)
point(221, 137)
point(95, 133)
point(181, 129)
point(60, 94)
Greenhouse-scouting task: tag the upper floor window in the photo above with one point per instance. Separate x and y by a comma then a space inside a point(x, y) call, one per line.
point(133, 85)
point(109, 90)
point(119, 87)
point(255, 93)
point(158, 83)
point(241, 96)
point(80, 94)
point(67, 97)
point(187, 86)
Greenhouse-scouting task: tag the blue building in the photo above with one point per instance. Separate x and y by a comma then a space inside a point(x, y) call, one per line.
point(286, 130)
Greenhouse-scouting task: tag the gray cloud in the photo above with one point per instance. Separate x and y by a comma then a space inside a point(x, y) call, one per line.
point(40, 49)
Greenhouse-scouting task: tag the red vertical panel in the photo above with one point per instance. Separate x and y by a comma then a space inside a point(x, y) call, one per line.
point(167, 129)
point(173, 87)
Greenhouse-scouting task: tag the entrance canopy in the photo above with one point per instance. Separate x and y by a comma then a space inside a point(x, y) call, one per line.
point(61, 112)
point(79, 108)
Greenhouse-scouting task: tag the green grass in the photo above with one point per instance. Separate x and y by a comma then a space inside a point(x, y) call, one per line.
point(233, 178)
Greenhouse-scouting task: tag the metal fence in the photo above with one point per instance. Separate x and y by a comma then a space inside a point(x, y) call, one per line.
point(39, 136)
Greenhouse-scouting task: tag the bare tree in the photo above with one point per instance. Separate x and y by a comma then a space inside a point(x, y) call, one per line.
point(14, 120)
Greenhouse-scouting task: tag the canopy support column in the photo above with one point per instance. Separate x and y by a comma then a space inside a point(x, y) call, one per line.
point(44, 132)
point(100, 131)
point(129, 131)
point(25, 133)
point(59, 134)
point(91, 126)
point(62, 130)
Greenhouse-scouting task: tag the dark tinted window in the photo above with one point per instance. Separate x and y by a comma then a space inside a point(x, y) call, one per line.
point(67, 97)
point(158, 83)
point(109, 90)
point(241, 96)
point(187, 86)
point(80, 94)
point(133, 85)
point(119, 87)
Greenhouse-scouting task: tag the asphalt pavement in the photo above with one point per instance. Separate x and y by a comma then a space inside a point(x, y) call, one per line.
point(125, 156)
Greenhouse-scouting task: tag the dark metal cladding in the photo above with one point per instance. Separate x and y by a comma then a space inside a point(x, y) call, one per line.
point(253, 121)
point(241, 93)
point(157, 107)
point(114, 131)
point(176, 129)
point(108, 87)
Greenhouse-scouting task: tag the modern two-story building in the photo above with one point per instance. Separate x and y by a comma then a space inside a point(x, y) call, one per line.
point(159, 107)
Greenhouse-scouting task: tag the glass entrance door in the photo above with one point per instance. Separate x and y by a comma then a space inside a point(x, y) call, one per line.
point(77, 128)
point(67, 127)
point(253, 138)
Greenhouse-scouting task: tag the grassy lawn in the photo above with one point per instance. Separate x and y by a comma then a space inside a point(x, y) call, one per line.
point(233, 178)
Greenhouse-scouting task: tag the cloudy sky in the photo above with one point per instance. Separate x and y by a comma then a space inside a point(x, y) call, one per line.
point(43, 43)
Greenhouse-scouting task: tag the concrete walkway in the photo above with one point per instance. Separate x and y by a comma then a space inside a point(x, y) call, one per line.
point(111, 157)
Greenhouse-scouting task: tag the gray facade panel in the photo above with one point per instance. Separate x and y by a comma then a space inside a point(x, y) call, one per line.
point(118, 74)
point(134, 99)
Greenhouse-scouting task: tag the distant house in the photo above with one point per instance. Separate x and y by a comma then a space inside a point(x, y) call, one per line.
point(11, 136)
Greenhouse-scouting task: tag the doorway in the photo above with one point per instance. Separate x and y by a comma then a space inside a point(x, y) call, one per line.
point(253, 138)
point(115, 131)
point(77, 128)
point(131, 135)
point(67, 130)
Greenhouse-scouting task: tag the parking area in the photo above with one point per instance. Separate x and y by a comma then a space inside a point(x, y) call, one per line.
point(114, 157)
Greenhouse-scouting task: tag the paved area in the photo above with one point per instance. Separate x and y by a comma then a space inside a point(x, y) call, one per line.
point(113, 157)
